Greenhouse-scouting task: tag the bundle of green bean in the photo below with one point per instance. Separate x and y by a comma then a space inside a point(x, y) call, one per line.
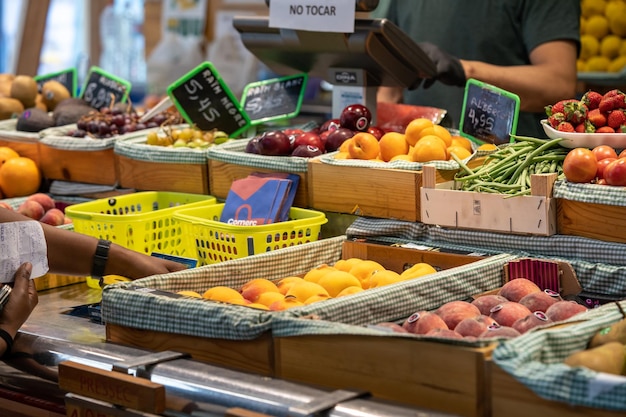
point(508, 169)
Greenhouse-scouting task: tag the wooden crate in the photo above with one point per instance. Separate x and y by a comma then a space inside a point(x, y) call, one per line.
point(596, 221)
point(222, 174)
point(438, 376)
point(27, 148)
point(446, 206)
point(511, 398)
point(93, 167)
point(161, 176)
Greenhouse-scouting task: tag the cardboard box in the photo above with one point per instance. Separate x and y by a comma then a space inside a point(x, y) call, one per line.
point(444, 205)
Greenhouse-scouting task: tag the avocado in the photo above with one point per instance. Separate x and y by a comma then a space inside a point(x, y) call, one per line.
point(24, 88)
point(53, 92)
point(10, 107)
point(34, 120)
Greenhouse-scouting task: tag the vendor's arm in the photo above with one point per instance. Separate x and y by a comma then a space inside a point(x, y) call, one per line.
point(71, 253)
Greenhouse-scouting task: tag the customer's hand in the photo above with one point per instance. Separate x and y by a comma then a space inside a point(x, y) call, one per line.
point(22, 301)
point(449, 68)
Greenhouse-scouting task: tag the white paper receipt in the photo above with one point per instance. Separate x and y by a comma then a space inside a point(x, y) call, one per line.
point(22, 242)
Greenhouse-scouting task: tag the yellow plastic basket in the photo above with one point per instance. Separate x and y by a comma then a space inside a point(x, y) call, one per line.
point(216, 241)
point(141, 221)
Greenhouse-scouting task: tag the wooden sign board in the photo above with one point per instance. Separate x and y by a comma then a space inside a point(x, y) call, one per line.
point(112, 387)
point(204, 100)
point(67, 77)
point(102, 89)
point(274, 99)
point(489, 113)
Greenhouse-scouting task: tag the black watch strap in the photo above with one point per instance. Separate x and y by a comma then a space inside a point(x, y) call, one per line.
point(100, 259)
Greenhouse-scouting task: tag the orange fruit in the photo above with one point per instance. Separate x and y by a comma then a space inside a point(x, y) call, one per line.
point(438, 131)
point(459, 151)
point(393, 144)
point(7, 153)
point(414, 128)
point(429, 148)
point(461, 141)
point(19, 177)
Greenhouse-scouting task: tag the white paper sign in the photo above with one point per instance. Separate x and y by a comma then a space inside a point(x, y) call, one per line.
point(313, 15)
point(22, 242)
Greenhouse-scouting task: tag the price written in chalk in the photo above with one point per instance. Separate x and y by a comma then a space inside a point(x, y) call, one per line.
point(489, 113)
point(102, 89)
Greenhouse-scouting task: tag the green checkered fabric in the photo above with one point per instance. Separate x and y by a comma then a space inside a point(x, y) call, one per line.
point(233, 152)
point(145, 309)
point(330, 159)
point(57, 138)
point(600, 266)
point(536, 360)
point(9, 132)
point(590, 193)
point(134, 146)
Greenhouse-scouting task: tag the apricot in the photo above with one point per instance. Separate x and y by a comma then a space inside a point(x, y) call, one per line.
point(334, 282)
point(364, 146)
point(252, 289)
point(393, 144)
point(221, 293)
point(306, 289)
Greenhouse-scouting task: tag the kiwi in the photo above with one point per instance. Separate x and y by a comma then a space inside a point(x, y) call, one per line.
point(39, 103)
point(9, 107)
point(70, 113)
point(53, 92)
point(34, 120)
point(24, 88)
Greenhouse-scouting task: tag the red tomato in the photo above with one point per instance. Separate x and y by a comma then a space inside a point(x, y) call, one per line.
point(615, 172)
point(604, 151)
point(580, 165)
point(602, 163)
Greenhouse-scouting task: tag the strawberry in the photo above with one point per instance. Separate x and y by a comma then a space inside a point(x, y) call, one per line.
point(591, 99)
point(558, 107)
point(605, 129)
point(575, 112)
point(612, 100)
point(580, 128)
point(565, 127)
point(555, 119)
point(596, 118)
point(616, 119)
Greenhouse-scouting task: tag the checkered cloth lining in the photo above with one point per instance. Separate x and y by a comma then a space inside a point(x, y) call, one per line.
point(233, 152)
point(590, 193)
point(56, 137)
point(196, 317)
point(535, 359)
point(330, 159)
point(8, 132)
point(600, 266)
point(134, 146)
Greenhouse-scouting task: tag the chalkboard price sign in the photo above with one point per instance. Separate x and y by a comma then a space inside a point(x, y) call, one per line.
point(67, 77)
point(278, 98)
point(102, 89)
point(489, 113)
point(204, 99)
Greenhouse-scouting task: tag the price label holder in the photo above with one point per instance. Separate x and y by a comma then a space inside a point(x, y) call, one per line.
point(102, 89)
point(67, 77)
point(203, 99)
point(274, 99)
point(489, 113)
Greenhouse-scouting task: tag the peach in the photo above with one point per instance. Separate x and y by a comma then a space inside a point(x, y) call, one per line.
point(268, 297)
point(453, 312)
point(315, 298)
point(499, 332)
point(316, 273)
point(535, 319)
point(507, 313)
point(540, 301)
point(221, 293)
point(364, 269)
point(422, 322)
point(45, 200)
point(6, 206)
point(389, 326)
point(383, 277)
point(335, 281)
point(445, 333)
point(474, 326)
point(32, 209)
point(253, 288)
point(346, 264)
point(54, 217)
point(364, 146)
point(393, 144)
point(563, 310)
point(486, 302)
point(286, 303)
point(353, 289)
point(67, 220)
point(306, 289)
point(417, 270)
point(284, 284)
point(517, 288)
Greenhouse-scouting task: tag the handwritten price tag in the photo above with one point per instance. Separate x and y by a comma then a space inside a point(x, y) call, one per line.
point(67, 77)
point(101, 89)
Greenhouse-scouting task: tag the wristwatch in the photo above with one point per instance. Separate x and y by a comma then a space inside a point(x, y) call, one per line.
point(100, 260)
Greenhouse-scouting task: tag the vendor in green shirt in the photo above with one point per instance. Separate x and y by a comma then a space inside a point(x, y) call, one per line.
point(527, 47)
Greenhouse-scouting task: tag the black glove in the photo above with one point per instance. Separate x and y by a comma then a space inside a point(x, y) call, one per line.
point(449, 68)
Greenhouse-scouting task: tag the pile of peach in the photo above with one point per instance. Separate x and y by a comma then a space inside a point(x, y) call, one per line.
point(42, 207)
point(422, 141)
point(344, 277)
point(519, 306)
